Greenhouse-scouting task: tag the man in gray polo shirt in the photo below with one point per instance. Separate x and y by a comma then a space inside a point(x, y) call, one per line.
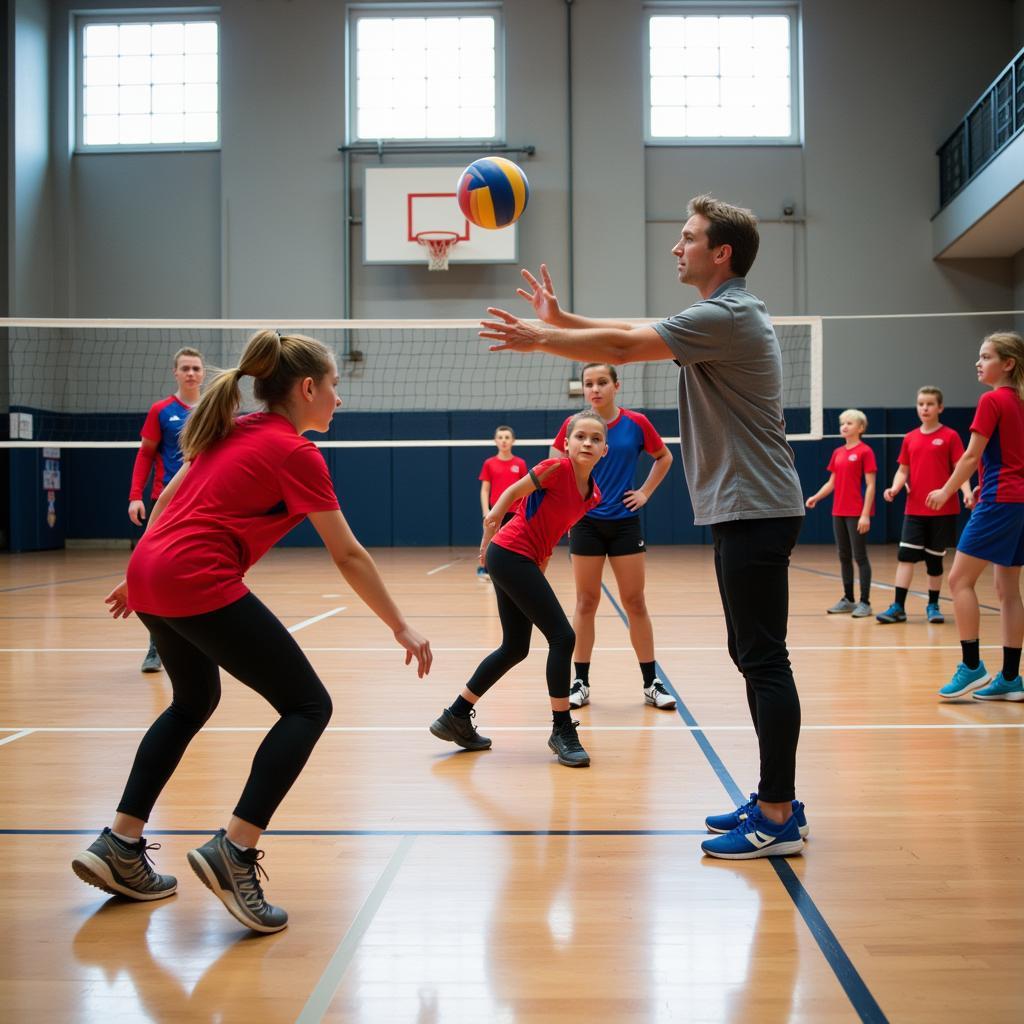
point(740, 472)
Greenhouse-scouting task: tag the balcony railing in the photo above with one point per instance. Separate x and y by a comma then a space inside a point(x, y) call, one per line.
point(989, 125)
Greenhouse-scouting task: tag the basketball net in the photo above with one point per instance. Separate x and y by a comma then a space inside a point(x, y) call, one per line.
point(438, 245)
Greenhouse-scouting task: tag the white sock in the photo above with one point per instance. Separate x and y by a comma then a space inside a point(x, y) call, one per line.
point(127, 840)
point(237, 846)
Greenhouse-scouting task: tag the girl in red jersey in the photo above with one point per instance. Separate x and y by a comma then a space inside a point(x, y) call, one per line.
point(245, 483)
point(995, 532)
point(498, 474)
point(852, 465)
point(557, 493)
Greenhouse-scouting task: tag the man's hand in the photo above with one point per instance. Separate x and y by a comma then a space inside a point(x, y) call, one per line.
point(541, 295)
point(514, 335)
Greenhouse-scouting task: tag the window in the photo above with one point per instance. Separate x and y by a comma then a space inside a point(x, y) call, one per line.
point(148, 82)
point(723, 78)
point(424, 78)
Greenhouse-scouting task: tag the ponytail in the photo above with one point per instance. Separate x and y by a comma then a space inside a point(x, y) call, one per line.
point(275, 361)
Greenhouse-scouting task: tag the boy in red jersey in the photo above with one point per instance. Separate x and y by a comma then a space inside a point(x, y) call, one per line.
point(245, 483)
point(159, 446)
point(498, 474)
point(995, 532)
point(557, 493)
point(927, 457)
point(851, 466)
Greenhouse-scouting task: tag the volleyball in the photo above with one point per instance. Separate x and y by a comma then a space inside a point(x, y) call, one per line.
point(493, 192)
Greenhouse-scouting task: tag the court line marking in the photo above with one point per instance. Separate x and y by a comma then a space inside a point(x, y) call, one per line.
point(57, 583)
point(861, 999)
point(440, 833)
point(17, 736)
point(320, 998)
point(447, 565)
point(316, 618)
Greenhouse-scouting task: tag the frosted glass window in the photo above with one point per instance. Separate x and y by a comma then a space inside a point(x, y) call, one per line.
point(425, 77)
point(723, 76)
point(148, 82)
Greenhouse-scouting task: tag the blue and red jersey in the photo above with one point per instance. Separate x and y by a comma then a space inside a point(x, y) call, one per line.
point(544, 516)
point(1000, 418)
point(629, 434)
point(163, 425)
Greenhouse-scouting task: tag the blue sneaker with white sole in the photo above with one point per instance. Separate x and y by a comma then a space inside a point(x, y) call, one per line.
point(1001, 688)
point(934, 613)
point(894, 613)
point(727, 822)
point(964, 681)
point(756, 836)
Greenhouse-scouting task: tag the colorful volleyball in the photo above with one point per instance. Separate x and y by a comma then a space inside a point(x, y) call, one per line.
point(493, 192)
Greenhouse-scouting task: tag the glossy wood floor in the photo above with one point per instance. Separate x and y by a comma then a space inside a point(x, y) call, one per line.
point(426, 885)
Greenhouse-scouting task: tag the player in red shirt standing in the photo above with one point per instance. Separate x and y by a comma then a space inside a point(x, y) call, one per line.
point(995, 532)
point(245, 484)
point(850, 467)
point(555, 494)
point(160, 434)
point(927, 456)
point(498, 474)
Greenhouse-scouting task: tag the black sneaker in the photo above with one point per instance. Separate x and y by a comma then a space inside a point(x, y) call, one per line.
point(459, 730)
point(233, 876)
point(566, 744)
point(151, 662)
point(123, 869)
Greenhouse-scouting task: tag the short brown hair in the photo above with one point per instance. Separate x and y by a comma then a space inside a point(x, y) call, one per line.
point(188, 352)
point(729, 225)
point(498, 430)
point(931, 389)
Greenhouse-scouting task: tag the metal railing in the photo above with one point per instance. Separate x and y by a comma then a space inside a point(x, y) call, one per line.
point(990, 124)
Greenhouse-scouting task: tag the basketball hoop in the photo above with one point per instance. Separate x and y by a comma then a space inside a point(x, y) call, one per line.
point(438, 245)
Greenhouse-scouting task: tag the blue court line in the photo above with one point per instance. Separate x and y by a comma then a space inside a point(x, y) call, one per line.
point(856, 990)
point(57, 583)
point(381, 832)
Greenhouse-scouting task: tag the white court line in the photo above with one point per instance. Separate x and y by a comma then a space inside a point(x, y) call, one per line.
point(316, 618)
point(440, 568)
point(16, 736)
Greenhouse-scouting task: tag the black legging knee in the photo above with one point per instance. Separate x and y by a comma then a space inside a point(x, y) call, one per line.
point(248, 641)
point(525, 599)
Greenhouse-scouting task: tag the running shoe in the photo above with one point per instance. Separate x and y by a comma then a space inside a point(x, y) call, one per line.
point(756, 836)
point(151, 662)
point(842, 607)
point(1001, 688)
point(579, 694)
point(861, 610)
point(657, 696)
point(123, 869)
point(459, 730)
point(565, 742)
point(964, 681)
point(934, 613)
point(727, 822)
point(894, 613)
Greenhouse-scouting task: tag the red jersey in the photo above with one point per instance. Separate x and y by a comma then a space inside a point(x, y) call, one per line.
point(502, 474)
point(544, 516)
point(930, 458)
point(238, 498)
point(1000, 418)
point(849, 466)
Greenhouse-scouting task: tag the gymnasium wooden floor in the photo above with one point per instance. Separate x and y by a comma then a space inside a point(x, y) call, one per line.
point(426, 885)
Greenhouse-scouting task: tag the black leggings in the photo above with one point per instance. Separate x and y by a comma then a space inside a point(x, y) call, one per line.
point(853, 547)
point(752, 565)
point(248, 641)
point(525, 600)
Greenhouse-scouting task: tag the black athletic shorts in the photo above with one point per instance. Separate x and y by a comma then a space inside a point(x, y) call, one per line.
point(609, 537)
point(922, 535)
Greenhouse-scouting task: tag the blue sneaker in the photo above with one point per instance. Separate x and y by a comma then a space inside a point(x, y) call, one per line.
point(934, 613)
point(756, 837)
point(894, 613)
point(964, 680)
point(1001, 688)
point(727, 822)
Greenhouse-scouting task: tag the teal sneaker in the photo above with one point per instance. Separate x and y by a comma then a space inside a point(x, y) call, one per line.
point(964, 681)
point(934, 613)
point(1001, 688)
point(894, 613)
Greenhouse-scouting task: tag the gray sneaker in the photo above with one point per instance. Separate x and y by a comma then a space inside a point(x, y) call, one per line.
point(233, 876)
point(842, 607)
point(861, 610)
point(123, 869)
point(151, 662)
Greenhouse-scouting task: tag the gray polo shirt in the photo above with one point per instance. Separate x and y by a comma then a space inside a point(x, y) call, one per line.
point(737, 462)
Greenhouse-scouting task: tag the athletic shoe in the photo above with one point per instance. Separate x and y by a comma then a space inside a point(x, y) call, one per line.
point(964, 680)
point(1001, 688)
point(579, 694)
point(566, 744)
point(934, 613)
point(727, 822)
point(151, 662)
point(481, 571)
point(233, 876)
point(459, 730)
point(894, 613)
point(842, 607)
point(756, 837)
point(658, 696)
point(123, 869)
point(861, 610)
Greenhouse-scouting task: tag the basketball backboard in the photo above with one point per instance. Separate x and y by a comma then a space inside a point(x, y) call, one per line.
point(401, 202)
